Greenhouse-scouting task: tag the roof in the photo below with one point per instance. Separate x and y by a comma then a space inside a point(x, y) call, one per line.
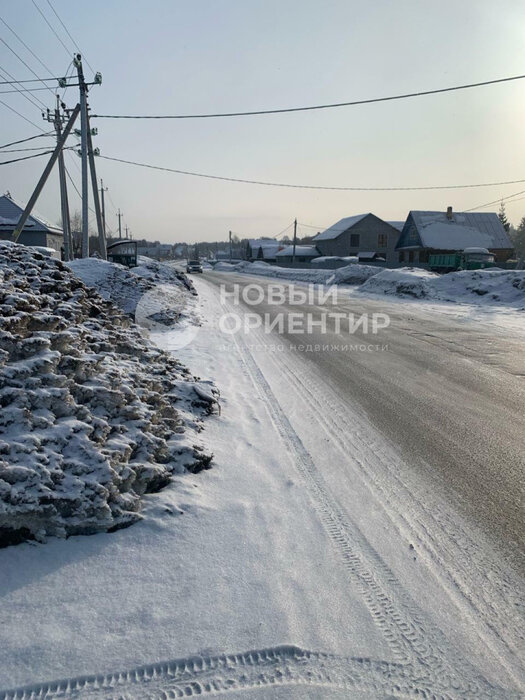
point(262, 243)
point(339, 228)
point(304, 250)
point(463, 230)
point(397, 224)
point(10, 213)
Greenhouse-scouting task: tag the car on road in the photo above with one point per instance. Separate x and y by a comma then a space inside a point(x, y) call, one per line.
point(194, 266)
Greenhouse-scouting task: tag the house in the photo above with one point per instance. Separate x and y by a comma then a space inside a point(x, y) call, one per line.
point(303, 254)
point(158, 251)
point(364, 232)
point(36, 231)
point(428, 232)
point(262, 249)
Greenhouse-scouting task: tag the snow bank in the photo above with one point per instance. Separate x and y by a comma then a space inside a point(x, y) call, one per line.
point(125, 286)
point(473, 286)
point(350, 274)
point(93, 415)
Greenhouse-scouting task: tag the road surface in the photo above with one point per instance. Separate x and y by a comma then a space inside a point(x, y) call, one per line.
point(448, 393)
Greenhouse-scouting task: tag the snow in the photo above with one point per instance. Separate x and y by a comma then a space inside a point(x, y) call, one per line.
point(93, 415)
point(451, 236)
point(484, 287)
point(126, 286)
point(338, 228)
point(305, 250)
point(236, 582)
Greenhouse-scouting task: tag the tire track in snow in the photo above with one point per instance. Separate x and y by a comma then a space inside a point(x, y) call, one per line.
point(478, 597)
point(414, 641)
point(233, 673)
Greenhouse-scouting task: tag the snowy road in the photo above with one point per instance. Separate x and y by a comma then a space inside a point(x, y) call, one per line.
point(328, 554)
point(447, 392)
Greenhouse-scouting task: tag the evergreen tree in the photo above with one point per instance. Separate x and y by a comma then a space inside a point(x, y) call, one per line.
point(518, 238)
point(502, 215)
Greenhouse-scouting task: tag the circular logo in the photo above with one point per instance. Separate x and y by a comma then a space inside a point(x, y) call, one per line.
point(168, 312)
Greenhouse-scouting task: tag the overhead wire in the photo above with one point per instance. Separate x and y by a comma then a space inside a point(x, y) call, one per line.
point(30, 138)
point(16, 160)
point(26, 46)
point(25, 64)
point(495, 201)
point(36, 102)
point(312, 187)
point(21, 115)
point(69, 35)
point(285, 110)
point(51, 27)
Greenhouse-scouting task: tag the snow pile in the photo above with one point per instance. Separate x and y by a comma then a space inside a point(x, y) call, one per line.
point(407, 281)
point(93, 415)
point(350, 274)
point(474, 286)
point(126, 286)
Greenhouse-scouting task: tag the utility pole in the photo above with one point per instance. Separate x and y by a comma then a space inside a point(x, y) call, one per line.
point(230, 239)
point(102, 190)
point(294, 241)
point(43, 178)
point(57, 120)
point(94, 186)
point(119, 224)
point(77, 60)
point(126, 230)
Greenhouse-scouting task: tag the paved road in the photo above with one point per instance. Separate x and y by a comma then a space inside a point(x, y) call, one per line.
point(447, 392)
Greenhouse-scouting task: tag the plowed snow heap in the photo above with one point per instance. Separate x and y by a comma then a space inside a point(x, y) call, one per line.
point(92, 415)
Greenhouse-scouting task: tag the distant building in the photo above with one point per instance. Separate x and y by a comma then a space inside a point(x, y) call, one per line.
point(364, 232)
point(262, 249)
point(36, 231)
point(303, 254)
point(427, 232)
point(158, 252)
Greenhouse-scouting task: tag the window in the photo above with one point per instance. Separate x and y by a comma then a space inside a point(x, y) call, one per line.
point(401, 256)
point(410, 256)
point(382, 240)
point(354, 240)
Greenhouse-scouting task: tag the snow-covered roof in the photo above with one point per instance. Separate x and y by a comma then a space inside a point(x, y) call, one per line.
point(463, 230)
point(338, 228)
point(303, 250)
point(397, 224)
point(10, 213)
point(263, 243)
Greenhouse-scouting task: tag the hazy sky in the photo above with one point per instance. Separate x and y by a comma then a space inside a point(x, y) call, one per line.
point(165, 56)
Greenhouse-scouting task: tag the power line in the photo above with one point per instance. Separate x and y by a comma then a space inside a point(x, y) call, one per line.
point(69, 35)
point(26, 46)
point(313, 187)
point(496, 201)
point(30, 138)
point(22, 90)
point(26, 65)
point(22, 150)
point(35, 102)
point(50, 27)
point(16, 160)
point(310, 108)
point(32, 80)
point(22, 116)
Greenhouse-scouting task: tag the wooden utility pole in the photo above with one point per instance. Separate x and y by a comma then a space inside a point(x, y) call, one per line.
point(230, 239)
point(83, 153)
point(43, 178)
point(119, 224)
point(57, 120)
point(294, 241)
point(96, 201)
point(102, 190)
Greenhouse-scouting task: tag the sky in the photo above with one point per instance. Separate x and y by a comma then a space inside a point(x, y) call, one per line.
point(174, 57)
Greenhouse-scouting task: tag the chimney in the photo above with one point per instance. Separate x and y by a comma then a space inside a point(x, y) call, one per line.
point(449, 212)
